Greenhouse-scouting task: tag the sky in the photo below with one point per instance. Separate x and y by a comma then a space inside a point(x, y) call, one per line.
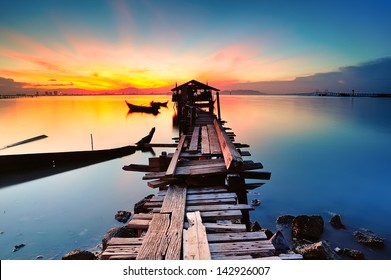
point(149, 46)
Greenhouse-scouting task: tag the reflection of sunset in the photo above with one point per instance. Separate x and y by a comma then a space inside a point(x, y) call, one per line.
point(68, 121)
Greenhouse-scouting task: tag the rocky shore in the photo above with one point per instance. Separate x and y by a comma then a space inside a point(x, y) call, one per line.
point(295, 235)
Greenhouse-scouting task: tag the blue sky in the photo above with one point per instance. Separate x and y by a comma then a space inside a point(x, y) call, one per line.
point(110, 45)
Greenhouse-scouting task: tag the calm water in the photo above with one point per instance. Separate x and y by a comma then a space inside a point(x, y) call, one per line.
point(326, 155)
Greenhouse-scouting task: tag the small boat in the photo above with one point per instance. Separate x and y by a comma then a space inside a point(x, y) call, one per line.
point(145, 109)
point(158, 104)
point(255, 202)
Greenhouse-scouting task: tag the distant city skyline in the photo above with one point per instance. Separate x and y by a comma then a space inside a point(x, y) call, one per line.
point(96, 46)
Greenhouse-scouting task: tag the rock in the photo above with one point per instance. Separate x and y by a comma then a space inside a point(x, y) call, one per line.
point(118, 232)
point(17, 247)
point(285, 220)
point(139, 206)
point(255, 226)
point(318, 251)
point(307, 227)
point(79, 255)
point(336, 222)
point(279, 242)
point(354, 254)
point(122, 216)
point(369, 239)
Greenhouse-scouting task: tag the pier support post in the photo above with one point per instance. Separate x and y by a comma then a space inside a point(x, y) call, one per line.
point(237, 184)
point(218, 105)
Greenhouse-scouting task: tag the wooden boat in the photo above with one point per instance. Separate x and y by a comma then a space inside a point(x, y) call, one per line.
point(158, 104)
point(144, 109)
point(20, 168)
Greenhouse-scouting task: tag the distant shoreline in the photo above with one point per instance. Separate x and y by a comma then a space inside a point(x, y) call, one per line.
point(234, 93)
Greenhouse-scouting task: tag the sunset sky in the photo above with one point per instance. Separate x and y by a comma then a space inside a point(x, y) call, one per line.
point(271, 46)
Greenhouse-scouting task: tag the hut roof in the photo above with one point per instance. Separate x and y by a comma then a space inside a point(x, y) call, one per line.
point(195, 84)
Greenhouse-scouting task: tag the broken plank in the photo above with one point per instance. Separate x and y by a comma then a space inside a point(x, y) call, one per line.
point(195, 242)
point(232, 158)
point(162, 182)
point(171, 168)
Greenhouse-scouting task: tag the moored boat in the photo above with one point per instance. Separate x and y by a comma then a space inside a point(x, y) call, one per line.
point(144, 109)
point(158, 104)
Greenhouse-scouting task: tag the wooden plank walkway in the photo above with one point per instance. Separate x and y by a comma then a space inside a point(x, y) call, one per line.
point(190, 217)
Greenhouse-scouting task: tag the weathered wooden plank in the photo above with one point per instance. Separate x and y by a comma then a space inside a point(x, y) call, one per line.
point(116, 241)
point(199, 190)
point(211, 201)
point(142, 216)
point(171, 168)
point(150, 249)
point(162, 182)
point(195, 243)
point(210, 196)
point(201, 163)
point(205, 147)
point(121, 252)
point(193, 147)
point(263, 247)
point(154, 175)
point(219, 207)
point(201, 170)
point(139, 224)
point(221, 215)
point(232, 158)
point(214, 227)
point(215, 148)
point(174, 204)
point(230, 257)
point(236, 236)
point(174, 199)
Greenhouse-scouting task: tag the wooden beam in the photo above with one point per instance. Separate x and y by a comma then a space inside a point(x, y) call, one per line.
point(205, 147)
point(150, 249)
point(195, 242)
point(232, 158)
point(193, 147)
point(174, 204)
point(236, 237)
point(214, 227)
point(215, 148)
point(171, 168)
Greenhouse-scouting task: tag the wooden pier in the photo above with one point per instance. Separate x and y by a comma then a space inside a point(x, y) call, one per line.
point(201, 210)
